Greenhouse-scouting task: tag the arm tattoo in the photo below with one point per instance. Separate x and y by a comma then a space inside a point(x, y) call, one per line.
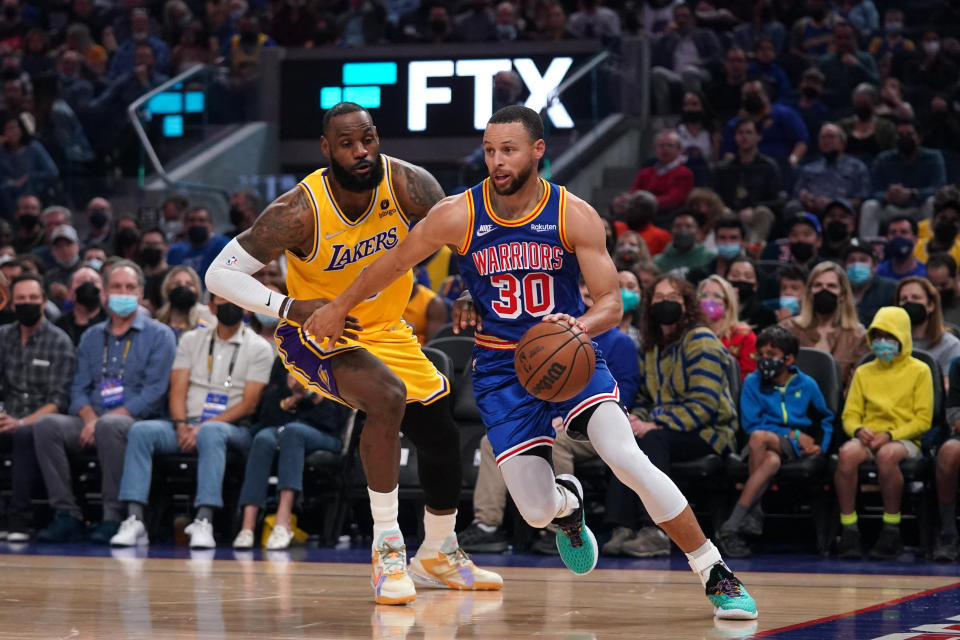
point(422, 188)
point(286, 224)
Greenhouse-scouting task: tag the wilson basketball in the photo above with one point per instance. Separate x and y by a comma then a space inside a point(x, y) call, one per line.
point(554, 361)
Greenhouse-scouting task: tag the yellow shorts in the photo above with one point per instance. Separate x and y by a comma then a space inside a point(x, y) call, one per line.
point(395, 346)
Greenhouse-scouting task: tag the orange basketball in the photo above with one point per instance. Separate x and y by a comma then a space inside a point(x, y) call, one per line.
point(554, 361)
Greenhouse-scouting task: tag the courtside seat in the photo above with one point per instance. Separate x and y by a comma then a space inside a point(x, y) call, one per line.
point(459, 348)
point(446, 331)
point(326, 476)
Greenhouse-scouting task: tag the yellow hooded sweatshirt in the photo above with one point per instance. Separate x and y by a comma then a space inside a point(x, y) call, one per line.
point(895, 396)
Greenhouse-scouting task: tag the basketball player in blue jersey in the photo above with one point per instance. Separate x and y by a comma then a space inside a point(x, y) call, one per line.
point(332, 226)
point(523, 243)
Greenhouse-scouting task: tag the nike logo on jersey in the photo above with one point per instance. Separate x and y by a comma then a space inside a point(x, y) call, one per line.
point(484, 229)
point(333, 235)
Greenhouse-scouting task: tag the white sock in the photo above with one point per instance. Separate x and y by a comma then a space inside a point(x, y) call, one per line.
point(570, 502)
point(702, 560)
point(384, 508)
point(436, 530)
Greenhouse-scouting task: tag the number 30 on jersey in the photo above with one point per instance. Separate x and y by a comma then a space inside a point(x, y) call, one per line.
point(532, 294)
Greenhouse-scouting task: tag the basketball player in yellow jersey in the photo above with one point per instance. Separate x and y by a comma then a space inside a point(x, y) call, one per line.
point(334, 224)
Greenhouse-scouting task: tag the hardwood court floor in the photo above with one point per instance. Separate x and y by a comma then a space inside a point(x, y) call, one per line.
point(134, 597)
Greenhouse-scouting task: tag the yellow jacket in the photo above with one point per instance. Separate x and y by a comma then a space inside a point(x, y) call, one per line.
point(895, 396)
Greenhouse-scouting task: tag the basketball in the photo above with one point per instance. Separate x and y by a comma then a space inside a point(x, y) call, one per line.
point(554, 361)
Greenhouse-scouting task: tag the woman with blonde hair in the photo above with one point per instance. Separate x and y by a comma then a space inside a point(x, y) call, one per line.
point(718, 299)
point(182, 309)
point(828, 319)
point(921, 300)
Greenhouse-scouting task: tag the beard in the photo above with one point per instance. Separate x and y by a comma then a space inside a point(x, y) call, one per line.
point(515, 183)
point(358, 184)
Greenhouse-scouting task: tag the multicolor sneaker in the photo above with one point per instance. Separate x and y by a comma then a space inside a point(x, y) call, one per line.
point(391, 584)
point(575, 542)
point(728, 596)
point(452, 568)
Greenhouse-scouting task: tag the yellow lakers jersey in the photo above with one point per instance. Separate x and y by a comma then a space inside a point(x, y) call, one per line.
point(342, 249)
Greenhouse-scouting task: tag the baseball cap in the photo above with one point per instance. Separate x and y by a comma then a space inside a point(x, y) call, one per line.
point(805, 218)
point(64, 231)
point(839, 202)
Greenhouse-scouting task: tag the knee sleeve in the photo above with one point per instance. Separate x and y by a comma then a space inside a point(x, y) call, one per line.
point(533, 488)
point(432, 430)
point(611, 436)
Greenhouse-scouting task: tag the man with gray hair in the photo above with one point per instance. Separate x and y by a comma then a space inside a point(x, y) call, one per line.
point(867, 134)
point(833, 175)
point(123, 367)
point(668, 179)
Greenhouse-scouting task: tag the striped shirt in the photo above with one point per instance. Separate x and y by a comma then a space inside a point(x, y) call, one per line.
point(36, 373)
point(685, 388)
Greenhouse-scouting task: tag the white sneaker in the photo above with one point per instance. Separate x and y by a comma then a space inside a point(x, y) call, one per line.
point(244, 539)
point(280, 538)
point(18, 536)
point(3, 535)
point(201, 534)
point(131, 533)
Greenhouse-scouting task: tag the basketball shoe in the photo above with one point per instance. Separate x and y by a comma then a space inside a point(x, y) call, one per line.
point(391, 584)
point(575, 542)
point(728, 596)
point(452, 568)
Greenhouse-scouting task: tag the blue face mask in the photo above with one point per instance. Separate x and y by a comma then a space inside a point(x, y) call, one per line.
point(122, 304)
point(95, 264)
point(790, 302)
point(858, 273)
point(631, 300)
point(267, 321)
point(884, 349)
point(728, 251)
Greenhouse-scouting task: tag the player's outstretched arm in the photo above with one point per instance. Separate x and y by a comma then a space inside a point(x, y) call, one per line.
point(446, 224)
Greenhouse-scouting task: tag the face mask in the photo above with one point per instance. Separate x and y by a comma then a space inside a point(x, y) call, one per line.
point(683, 240)
point(198, 234)
point(248, 38)
point(630, 298)
point(666, 312)
point(150, 256)
point(267, 321)
point(898, 247)
point(182, 298)
point(126, 238)
point(831, 156)
point(745, 290)
point(906, 146)
point(236, 217)
point(714, 309)
point(864, 112)
point(801, 251)
point(28, 314)
point(95, 264)
point(66, 264)
point(811, 93)
point(122, 304)
point(790, 303)
point(229, 314)
point(945, 232)
point(691, 115)
point(769, 368)
point(893, 28)
point(753, 103)
point(27, 222)
point(98, 219)
point(825, 302)
point(916, 311)
point(836, 231)
point(858, 273)
point(728, 251)
point(88, 295)
point(885, 350)
point(932, 47)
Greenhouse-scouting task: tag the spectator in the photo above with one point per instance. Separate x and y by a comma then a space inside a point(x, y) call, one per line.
point(362, 23)
point(783, 411)
point(870, 290)
point(58, 128)
point(802, 246)
point(668, 179)
point(862, 16)
point(630, 249)
point(293, 422)
point(719, 303)
point(890, 46)
point(749, 182)
point(809, 103)
point(730, 234)
point(272, 275)
point(742, 276)
point(152, 256)
point(555, 27)
point(682, 413)
point(425, 312)
point(919, 298)
point(202, 244)
point(942, 130)
point(65, 249)
point(682, 57)
point(765, 68)
point(193, 46)
point(76, 90)
point(846, 67)
point(245, 206)
point(592, 20)
point(212, 398)
point(684, 252)
point(124, 60)
point(630, 294)
point(246, 47)
point(639, 209)
point(892, 105)
point(792, 279)
point(832, 176)
point(477, 23)
point(708, 203)
point(16, 94)
point(656, 17)
point(25, 165)
point(839, 228)
point(725, 93)
point(782, 132)
point(903, 180)
point(86, 297)
point(172, 209)
point(812, 35)
point(94, 257)
point(122, 366)
point(99, 216)
point(26, 222)
point(36, 364)
point(945, 226)
point(900, 261)
point(127, 241)
point(948, 470)
point(78, 39)
point(762, 24)
point(697, 129)
point(888, 408)
point(509, 27)
point(828, 320)
point(942, 274)
point(867, 134)
point(181, 309)
point(931, 71)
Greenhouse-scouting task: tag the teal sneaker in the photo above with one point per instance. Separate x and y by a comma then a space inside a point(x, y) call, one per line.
point(728, 596)
point(575, 542)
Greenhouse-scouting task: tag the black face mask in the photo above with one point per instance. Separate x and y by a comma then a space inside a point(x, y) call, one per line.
point(945, 232)
point(825, 302)
point(150, 256)
point(229, 314)
point(98, 219)
point(248, 38)
point(753, 103)
point(126, 238)
point(88, 295)
point(182, 298)
point(831, 156)
point(810, 93)
point(666, 312)
point(236, 217)
point(28, 222)
point(864, 112)
point(836, 231)
point(28, 314)
point(745, 290)
point(691, 115)
point(769, 368)
point(916, 311)
point(906, 146)
point(198, 234)
point(801, 251)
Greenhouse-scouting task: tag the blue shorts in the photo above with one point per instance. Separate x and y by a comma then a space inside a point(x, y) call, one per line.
point(515, 420)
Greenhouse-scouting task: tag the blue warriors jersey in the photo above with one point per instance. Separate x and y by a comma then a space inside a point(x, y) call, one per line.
point(518, 270)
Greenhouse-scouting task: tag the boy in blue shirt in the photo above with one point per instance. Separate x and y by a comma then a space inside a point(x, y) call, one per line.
point(783, 411)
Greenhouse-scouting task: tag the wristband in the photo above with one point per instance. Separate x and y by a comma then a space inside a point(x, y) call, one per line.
point(285, 307)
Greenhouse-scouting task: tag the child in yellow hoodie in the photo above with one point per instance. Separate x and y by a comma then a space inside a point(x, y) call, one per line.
point(889, 406)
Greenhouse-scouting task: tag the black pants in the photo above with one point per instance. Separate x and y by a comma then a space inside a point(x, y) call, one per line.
point(25, 472)
point(662, 446)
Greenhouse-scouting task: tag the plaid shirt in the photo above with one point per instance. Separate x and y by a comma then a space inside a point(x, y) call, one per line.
point(38, 372)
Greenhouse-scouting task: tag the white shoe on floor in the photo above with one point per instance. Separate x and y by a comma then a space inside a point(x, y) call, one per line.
point(280, 538)
point(130, 534)
point(18, 536)
point(201, 534)
point(244, 539)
